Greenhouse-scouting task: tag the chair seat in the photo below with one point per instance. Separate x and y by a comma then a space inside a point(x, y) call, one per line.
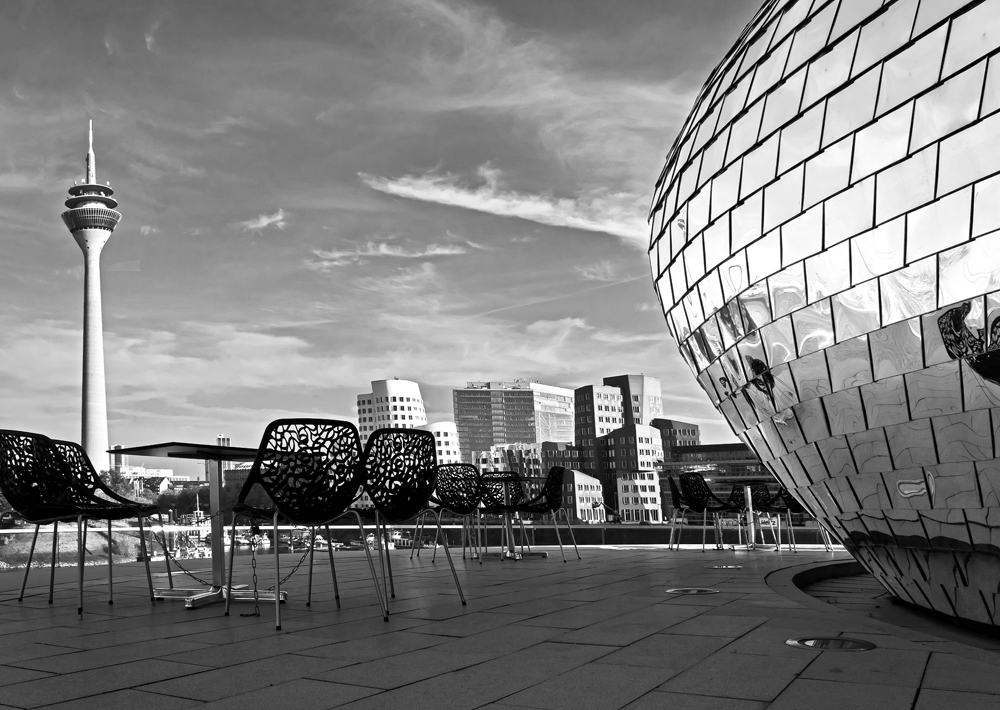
point(40, 514)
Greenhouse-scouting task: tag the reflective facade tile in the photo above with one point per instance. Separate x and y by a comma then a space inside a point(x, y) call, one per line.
point(825, 243)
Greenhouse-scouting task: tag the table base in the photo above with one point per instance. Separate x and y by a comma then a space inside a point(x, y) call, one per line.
point(194, 598)
point(507, 555)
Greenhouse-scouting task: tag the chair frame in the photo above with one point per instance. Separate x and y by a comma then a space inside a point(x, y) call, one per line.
point(306, 439)
point(75, 485)
point(690, 481)
point(549, 502)
point(400, 472)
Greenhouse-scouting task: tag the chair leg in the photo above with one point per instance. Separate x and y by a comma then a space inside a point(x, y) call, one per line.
point(437, 541)
point(826, 538)
point(232, 558)
point(55, 547)
point(371, 566)
point(673, 526)
point(381, 560)
point(447, 553)
point(704, 527)
point(166, 553)
point(145, 558)
point(31, 553)
point(791, 531)
point(524, 536)
point(312, 551)
point(277, 578)
point(79, 564)
point(111, 595)
point(416, 534)
point(572, 536)
point(555, 526)
point(333, 569)
point(388, 558)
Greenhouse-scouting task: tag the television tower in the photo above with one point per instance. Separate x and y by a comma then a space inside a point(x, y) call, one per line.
point(91, 218)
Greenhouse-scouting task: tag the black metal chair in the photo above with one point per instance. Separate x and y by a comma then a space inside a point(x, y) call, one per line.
point(760, 500)
point(550, 502)
point(48, 481)
point(400, 472)
point(309, 468)
point(458, 491)
point(680, 508)
point(784, 503)
point(501, 490)
point(700, 499)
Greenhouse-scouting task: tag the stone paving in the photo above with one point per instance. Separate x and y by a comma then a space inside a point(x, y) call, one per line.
point(599, 633)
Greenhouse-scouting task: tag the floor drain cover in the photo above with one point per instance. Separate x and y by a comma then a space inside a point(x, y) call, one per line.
point(831, 644)
point(725, 567)
point(692, 590)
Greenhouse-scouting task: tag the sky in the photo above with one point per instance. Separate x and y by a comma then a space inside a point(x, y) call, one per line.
point(321, 194)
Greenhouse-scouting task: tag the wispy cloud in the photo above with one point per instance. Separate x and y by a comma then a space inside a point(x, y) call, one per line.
point(265, 220)
point(601, 271)
point(599, 210)
point(327, 259)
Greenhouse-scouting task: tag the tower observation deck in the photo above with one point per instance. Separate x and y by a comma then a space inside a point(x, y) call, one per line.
point(91, 217)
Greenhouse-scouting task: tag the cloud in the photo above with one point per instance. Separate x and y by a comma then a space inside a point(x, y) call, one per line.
point(328, 259)
point(265, 220)
point(599, 210)
point(146, 230)
point(601, 271)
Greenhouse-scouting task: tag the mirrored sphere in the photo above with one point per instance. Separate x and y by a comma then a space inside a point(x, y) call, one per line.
point(825, 245)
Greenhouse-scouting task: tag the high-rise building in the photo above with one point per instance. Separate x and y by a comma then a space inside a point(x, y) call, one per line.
point(91, 218)
point(392, 403)
point(641, 397)
point(638, 499)
point(490, 413)
point(445, 441)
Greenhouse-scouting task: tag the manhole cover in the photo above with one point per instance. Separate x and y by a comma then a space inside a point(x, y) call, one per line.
point(725, 567)
point(692, 590)
point(831, 644)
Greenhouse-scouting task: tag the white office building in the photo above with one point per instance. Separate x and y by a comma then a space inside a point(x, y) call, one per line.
point(583, 497)
point(639, 497)
point(392, 403)
point(446, 441)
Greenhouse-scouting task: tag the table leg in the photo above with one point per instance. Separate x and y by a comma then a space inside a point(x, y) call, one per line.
point(751, 531)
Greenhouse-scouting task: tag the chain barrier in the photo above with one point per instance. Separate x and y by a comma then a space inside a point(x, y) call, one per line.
point(254, 533)
point(162, 542)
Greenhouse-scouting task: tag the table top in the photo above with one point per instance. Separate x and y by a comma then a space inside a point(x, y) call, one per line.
point(184, 450)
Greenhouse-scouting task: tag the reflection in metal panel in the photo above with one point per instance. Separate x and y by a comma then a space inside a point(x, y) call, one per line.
point(826, 239)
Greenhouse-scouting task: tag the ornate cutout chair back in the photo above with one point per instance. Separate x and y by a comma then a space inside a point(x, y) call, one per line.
point(458, 488)
point(33, 474)
point(696, 493)
point(676, 499)
point(550, 502)
point(308, 467)
point(400, 470)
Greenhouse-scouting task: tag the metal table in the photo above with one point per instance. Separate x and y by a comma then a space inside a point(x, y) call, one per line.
point(213, 455)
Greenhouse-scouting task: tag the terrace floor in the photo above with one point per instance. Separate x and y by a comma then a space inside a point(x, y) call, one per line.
point(594, 634)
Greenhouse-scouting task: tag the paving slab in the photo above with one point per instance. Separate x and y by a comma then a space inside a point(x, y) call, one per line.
point(594, 633)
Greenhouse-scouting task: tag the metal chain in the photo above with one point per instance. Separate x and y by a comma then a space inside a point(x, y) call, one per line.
point(254, 531)
point(254, 543)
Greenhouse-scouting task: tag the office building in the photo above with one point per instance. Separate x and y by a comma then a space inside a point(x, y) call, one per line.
point(674, 433)
point(445, 441)
point(392, 403)
point(642, 401)
point(583, 497)
point(826, 249)
point(598, 411)
point(638, 497)
point(518, 411)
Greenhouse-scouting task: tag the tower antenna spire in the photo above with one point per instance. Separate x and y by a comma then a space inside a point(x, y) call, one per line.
point(91, 158)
